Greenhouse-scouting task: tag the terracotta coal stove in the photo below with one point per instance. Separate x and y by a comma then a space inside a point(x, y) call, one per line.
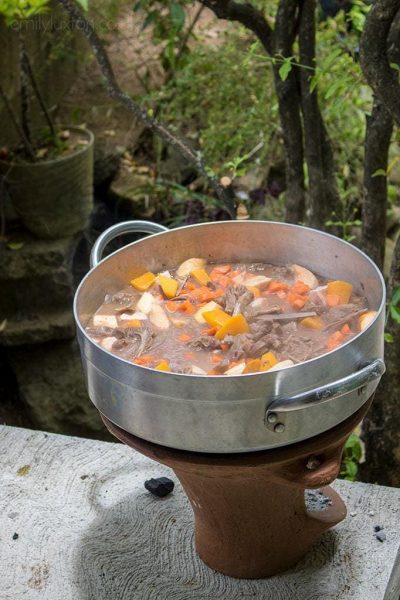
point(251, 519)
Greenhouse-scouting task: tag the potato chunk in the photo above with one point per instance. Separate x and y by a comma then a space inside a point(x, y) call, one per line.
point(189, 265)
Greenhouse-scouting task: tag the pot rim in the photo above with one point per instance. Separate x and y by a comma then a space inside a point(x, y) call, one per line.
point(223, 378)
point(45, 163)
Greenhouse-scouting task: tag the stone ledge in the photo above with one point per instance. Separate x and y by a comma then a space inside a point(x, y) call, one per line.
point(38, 328)
point(76, 522)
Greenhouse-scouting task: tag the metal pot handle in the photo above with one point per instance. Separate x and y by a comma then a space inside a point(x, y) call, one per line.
point(119, 229)
point(325, 393)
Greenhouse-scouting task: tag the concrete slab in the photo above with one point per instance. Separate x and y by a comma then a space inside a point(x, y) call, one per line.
point(77, 524)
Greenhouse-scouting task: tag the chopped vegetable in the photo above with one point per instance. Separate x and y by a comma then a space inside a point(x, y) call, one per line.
point(254, 290)
point(268, 360)
point(136, 315)
point(163, 366)
point(197, 371)
point(105, 321)
point(282, 365)
point(146, 303)
point(277, 286)
point(236, 324)
point(332, 300)
point(144, 282)
point(253, 366)
point(192, 264)
point(304, 275)
point(343, 289)
point(158, 317)
point(222, 269)
point(334, 340)
point(237, 369)
point(168, 285)
point(184, 337)
point(144, 360)
point(259, 282)
point(201, 276)
point(313, 323)
point(366, 319)
point(186, 307)
point(206, 308)
point(133, 323)
point(108, 342)
point(216, 317)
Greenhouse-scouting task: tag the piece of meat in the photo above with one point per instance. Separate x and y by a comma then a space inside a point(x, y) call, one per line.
point(338, 316)
point(204, 342)
point(235, 299)
point(260, 306)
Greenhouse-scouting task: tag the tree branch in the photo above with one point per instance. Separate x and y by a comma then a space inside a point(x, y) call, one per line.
point(194, 157)
point(246, 14)
point(27, 146)
point(289, 111)
point(374, 58)
point(324, 197)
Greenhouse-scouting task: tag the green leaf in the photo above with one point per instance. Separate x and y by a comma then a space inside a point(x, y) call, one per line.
point(396, 297)
point(395, 66)
point(84, 4)
point(395, 314)
point(379, 172)
point(15, 245)
point(285, 69)
point(389, 339)
point(178, 16)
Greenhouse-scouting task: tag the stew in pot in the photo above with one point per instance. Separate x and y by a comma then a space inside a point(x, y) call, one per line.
point(228, 319)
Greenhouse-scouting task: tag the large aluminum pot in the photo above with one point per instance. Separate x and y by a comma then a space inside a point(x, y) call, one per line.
point(231, 413)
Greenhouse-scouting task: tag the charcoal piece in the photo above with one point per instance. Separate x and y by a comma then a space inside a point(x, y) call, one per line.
point(381, 536)
point(377, 528)
point(160, 487)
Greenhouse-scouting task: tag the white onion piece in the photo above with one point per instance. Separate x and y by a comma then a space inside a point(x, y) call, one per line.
point(259, 281)
point(236, 370)
point(105, 321)
point(189, 265)
point(281, 365)
point(304, 275)
point(158, 317)
point(139, 316)
point(146, 303)
point(366, 319)
point(107, 342)
point(198, 371)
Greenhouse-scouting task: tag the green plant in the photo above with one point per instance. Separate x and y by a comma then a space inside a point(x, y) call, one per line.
point(351, 458)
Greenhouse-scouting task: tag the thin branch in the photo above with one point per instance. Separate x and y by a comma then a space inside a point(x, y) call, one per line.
point(246, 14)
point(37, 91)
point(17, 127)
point(24, 95)
point(188, 33)
point(374, 59)
point(194, 157)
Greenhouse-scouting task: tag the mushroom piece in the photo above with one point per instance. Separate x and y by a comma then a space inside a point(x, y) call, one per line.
point(304, 275)
point(189, 265)
point(105, 321)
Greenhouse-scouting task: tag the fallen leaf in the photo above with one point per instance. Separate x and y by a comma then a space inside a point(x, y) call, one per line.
point(3, 325)
point(22, 471)
point(15, 245)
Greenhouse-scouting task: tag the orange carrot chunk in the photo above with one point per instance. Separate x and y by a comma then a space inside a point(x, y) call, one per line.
point(343, 289)
point(234, 326)
point(143, 282)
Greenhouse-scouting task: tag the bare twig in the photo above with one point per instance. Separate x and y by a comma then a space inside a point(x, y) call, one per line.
point(17, 127)
point(194, 157)
point(37, 91)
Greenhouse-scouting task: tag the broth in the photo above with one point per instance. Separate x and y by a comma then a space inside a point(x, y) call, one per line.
point(228, 319)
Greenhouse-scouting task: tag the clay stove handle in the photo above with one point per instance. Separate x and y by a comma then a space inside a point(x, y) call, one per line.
point(119, 229)
point(313, 471)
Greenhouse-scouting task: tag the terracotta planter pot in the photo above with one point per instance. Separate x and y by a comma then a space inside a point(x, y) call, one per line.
point(53, 198)
point(251, 519)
